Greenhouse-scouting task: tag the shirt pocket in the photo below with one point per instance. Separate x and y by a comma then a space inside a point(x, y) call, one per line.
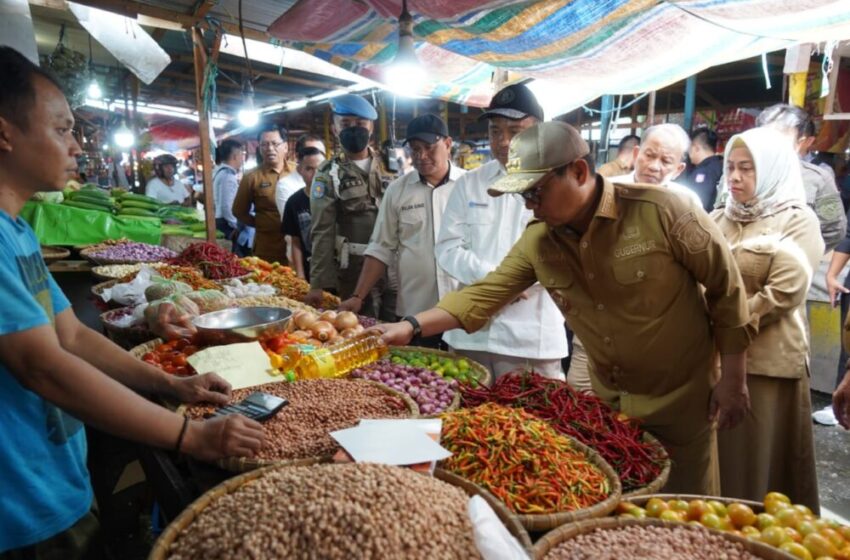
point(642, 282)
point(354, 197)
point(562, 292)
point(411, 223)
point(754, 262)
point(476, 226)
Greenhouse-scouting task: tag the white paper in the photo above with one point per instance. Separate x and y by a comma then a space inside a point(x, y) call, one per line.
point(244, 364)
point(391, 443)
point(492, 538)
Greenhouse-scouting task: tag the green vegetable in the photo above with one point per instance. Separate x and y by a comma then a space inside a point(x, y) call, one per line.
point(137, 212)
point(86, 206)
point(140, 198)
point(105, 202)
point(132, 203)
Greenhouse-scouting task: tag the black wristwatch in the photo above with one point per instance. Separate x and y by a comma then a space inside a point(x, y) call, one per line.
point(417, 328)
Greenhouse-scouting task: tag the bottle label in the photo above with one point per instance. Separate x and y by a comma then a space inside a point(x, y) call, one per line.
point(325, 363)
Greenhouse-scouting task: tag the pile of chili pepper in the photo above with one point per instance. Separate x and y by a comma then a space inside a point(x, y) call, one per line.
point(619, 440)
point(285, 280)
point(186, 274)
point(217, 263)
point(521, 460)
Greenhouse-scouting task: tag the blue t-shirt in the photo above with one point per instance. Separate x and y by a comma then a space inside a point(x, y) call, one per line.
point(44, 483)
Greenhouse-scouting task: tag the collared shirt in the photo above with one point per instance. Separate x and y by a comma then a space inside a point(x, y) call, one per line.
point(823, 196)
point(225, 186)
point(777, 257)
point(629, 288)
point(258, 188)
point(613, 169)
point(477, 232)
point(174, 194)
point(703, 179)
point(406, 229)
point(286, 187)
point(673, 186)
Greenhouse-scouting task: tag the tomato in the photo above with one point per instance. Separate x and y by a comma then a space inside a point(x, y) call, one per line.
point(656, 506)
point(710, 520)
point(679, 505)
point(179, 360)
point(775, 535)
point(625, 507)
point(775, 506)
point(797, 550)
point(834, 537)
point(741, 515)
point(779, 496)
point(819, 545)
point(670, 515)
point(789, 517)
point(751, 532)
point(794, 534)
point(189, 350)
point(718, 507)
point(765, 520)
point(698, 508)
point(168, 368)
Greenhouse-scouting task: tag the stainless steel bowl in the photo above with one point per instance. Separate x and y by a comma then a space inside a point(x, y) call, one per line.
point(241, 324)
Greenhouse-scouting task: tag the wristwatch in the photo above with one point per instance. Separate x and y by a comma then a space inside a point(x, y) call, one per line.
point(417, 328)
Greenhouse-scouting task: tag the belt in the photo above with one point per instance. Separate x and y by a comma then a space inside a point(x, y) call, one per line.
point(345, 248)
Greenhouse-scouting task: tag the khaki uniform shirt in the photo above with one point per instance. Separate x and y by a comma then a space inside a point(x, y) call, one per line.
point(258, 187)
point(630, 289)
point(776, 256)
point(344, 202)
point(823, 196)
point(613, 169)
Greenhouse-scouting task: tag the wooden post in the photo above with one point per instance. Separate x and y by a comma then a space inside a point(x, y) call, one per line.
point(650, 111)
point(326, 129)
point(382, 116)
point(200, 59)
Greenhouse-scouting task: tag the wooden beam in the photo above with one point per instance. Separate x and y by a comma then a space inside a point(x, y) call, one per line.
point(204, 128)
point(269, 75)
point(713, 101)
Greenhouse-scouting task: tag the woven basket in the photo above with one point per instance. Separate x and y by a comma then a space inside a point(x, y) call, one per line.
point(567, 532)
point(641, 500)
point(185, 519)
point(52, 254)
point(547, 521)
point(103, 274)
point(244, 464)
point(97, 290)
point(125, 337)
point(659, 482)
point(90, 251)
point(142, 349)
point(481, 373)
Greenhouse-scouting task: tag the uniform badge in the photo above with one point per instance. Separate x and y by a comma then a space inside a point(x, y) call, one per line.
point(505, 96)
point(265, 185)
point(318, 190)
point(631, 232)
point(691, 234)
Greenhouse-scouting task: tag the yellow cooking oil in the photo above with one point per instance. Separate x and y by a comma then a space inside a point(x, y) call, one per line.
point(336, 360)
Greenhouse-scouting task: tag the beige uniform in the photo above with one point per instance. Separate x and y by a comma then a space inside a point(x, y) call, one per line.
point(258, 188)
point(344, 203)
point(629, 288)
point(773, 448)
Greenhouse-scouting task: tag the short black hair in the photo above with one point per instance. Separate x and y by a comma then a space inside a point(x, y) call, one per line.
point(705, 137)
point(225, 150)
point(629, 140)
point(269, 126)
point(17, 94)
point(301, 145)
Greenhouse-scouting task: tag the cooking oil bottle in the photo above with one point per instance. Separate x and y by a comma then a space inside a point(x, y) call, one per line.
point(335, 360)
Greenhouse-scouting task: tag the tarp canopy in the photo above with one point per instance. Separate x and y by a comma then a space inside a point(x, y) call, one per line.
point(580, 48)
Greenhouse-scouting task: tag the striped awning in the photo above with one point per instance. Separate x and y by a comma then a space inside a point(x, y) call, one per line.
point(581, 48)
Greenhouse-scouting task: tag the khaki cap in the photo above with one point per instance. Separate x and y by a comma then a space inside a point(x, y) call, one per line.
point(536, 151)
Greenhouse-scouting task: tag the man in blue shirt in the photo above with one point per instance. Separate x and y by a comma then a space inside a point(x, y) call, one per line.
point(55, 373)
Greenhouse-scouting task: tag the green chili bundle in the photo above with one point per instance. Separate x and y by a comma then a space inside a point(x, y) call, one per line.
point(521, 460)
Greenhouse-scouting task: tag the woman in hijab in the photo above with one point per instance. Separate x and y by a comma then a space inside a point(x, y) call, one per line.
point(776, 240)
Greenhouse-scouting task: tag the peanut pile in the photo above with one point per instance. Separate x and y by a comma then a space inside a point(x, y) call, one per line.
point(333, 512)
point(650, 543)
point(273, 301)
point(316, 408)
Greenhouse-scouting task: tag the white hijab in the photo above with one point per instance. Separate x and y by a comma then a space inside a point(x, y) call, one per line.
point(779, 179)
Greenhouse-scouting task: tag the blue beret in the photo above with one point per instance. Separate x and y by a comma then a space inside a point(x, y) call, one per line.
point(353, 105)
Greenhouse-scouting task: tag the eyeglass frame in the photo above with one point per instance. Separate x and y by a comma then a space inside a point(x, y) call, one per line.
point(275, 145)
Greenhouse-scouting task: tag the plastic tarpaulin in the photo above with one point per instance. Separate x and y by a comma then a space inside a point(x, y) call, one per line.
point(582, 48)
point(56, 224)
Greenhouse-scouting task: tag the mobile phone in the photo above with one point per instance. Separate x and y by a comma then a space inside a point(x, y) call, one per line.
point(256, 406)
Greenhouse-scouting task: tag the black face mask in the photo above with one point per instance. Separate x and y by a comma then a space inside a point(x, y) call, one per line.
point(354, 139)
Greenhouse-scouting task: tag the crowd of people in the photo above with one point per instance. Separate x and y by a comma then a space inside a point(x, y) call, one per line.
point(684, 301)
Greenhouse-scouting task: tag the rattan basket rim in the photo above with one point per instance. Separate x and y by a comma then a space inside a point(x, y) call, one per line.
point(552, 539)
point(640, 500)
point(482, 373)
point(659, 482)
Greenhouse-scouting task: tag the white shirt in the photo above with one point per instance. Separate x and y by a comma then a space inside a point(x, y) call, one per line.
point(225, 186)
point(286, 187)
point(406, 229)
point(157, 189)
point(477, 232)
point(675, 187)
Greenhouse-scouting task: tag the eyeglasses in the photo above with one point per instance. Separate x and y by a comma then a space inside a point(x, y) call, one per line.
point(273, 145)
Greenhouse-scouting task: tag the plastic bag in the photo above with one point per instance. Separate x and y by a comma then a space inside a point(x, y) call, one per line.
point(131, 293)
point(162, 288)
point(171, 317)
point(492, 539)
point(210, 300)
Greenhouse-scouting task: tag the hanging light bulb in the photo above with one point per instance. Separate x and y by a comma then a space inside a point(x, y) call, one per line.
point(405, 75)
point(248, 115)
point(94, 91)
point(124, 137)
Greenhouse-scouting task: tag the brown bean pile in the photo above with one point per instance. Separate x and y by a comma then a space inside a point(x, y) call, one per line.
point(650, 543)
point(333, 512)
point(316, 407)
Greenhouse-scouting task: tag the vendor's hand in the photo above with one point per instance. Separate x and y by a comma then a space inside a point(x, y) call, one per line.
point(172, 324)
point(209, 387)
point(394, 334)
point(223, 436)
point(353, 304)
point(835, 289)
point(730, 404)
point(841, 402)
point(314, 298)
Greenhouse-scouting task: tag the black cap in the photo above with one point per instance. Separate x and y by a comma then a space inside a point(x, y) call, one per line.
point(428, 128)
point(514, 102)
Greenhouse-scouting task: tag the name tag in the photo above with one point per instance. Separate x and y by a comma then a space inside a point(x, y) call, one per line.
point(265, 185)
point(412, 207)
point(473, 204)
